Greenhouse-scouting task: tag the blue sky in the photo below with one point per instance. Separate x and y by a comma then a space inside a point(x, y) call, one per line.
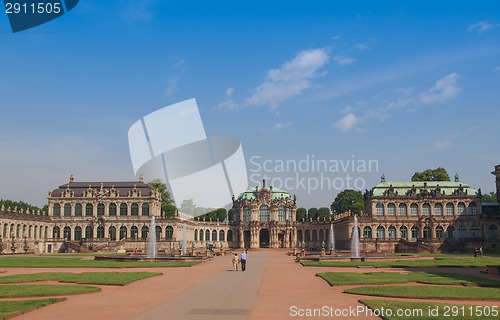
point(409, 85)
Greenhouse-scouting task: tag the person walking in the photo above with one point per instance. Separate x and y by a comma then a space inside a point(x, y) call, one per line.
point(235, 262)
point(243, 259)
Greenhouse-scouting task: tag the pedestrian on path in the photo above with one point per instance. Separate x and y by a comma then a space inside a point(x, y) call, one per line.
point(235, 262)
point(243, 259)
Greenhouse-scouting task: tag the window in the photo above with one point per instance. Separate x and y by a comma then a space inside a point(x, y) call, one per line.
point(414, 233)
point(56, 233)
point(201, 235)
point(169, 231)
point(307, 235)
point(214, 235)
point(67, 210)
point(67, 233)
point(78, 210)
point(403, 209)
point(112, 233)
point(281, 213)
point(264, 213)
point(426, 209)
point(100, 209)
point(427, 232)
point(450, 209)
point(379, 209)
point(195, 234)
point(299, 235)
point(439, 232)
point(492, 232)
point(315, 235)
point(246, 214)
point(145, 209)
point(56, 210)
point(30, 229)
point(18, 230)
point(229, 235)
point(380, 232)
point(414, 210)
point(391, 209)
point(462, 232)
point(207, 235)
point(89, 232)
point(78, 233)
point(144, 231)
point(123, 232)
point(221, 235)
point(450, 233)
point(403, 233)
point(89, 210)
point(367, 233)
point(472, 209)
point(461, 209)
point(123, 209)
point(474, 233)
point(134, 209)
point(112, 209)
point(391, 232)
point(5, 230)
point(321, 233)
point(290, 215)
point(158, 232)
point(438, 209)
point(134, 231)
point(100, 232)
point(46, 234)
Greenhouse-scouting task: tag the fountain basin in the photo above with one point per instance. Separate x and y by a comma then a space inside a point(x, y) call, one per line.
point(157, 258)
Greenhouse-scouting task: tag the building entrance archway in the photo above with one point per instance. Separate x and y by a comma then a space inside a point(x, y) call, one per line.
point(264, 238)
point(246, 239)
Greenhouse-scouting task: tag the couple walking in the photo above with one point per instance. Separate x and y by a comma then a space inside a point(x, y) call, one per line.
point(242, 259)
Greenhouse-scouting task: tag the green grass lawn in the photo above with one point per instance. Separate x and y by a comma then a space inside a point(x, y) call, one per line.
point(430, 292)
point(348, 278)
point(99, 278)
point(70, 262)
point(430, 310)
point(436, 262)
point(12, 308)
point(35, 290)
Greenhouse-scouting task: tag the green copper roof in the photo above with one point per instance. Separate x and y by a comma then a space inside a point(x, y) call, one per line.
point(402, 187)
point(277, 193)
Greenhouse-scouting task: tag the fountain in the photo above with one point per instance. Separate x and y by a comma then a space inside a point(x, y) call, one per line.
point(355, 239)
point(331, 243)
point(152, 239)
point(184, 240)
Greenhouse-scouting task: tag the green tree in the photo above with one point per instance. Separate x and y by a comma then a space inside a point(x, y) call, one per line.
point(345, 200)
point(324, 213)
point(312, 213)
point(357, 208)
point(230, 214)
point(301, 213)
point(166, 200)
point(489, 198)
point(22, 205)
point(438, 174)
point(169, 210)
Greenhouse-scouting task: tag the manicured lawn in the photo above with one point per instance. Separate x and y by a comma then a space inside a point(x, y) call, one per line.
point(430, 292)
point(70, 262)
point(347, 278)
point(436, 262)
point(12, 308)
point(100, 278)
point(35, 290)
point(430, 311)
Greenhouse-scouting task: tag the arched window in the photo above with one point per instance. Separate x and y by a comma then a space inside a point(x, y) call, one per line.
point(123, 232)
point(5, 230)
point(89, 232)
point(78, 233)
point(134, 209)
point(214, 235)
point(195, 234)
point(67, 233)
point(391, 209)
point(145, 209)
point(112, 233)
point(438, 209)
point(18, 231)
point(100, 232)
point(380, 232)
point(112, 209)
point(123, 209)
point(414, 233)
point(450, 209)
point(450, 233)
point(492, 232)
point(461, 209)
point(46, 234)
point(246, 214)
point(281, 213)
point(403, 209)
point(472, 209)
point(229, 235)
point(290, 214)
point(207, 235)
point(56, 210)
point(201, 235)
point(321, 233)
point(379, 209)
point(35, 234)
point(462, 232)
point(144, 232)
point(391, 232)
point(315, 235)
point(414, 210)
point(78, 210)
point(67, 210)
point(89, 210)
point(439, 232)
point(308, 235)
point(474, 233)
point(264, 213)
point(56, 233)
point(158, 232)
point(427, 232)
point(221, 235)
point(100, 209)
point(30, 229)
point(169, 231)
point(367, 233)
point(134, 231)
point(426, 209)
point(299, 235)
point(403, 233)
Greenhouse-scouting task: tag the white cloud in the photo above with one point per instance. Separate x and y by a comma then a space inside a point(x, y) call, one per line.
point(228, 103)
point(482, 26)
point(179, 65)
point(283, 125)
point(347, 122)
point(171, 87)
point(337, 37)
point(290, 79)
point(444, 89)
point(344, 61)
point(447, 141)
point(366, 45)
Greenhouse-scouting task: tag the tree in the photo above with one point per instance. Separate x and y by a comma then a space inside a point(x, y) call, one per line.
point(324, 213)
point(489, 198)
point(169, 210)
point(438, 174)
point(301, 213)
point(22, 205)
point(312, 213)
point(345, 201)
point(230, 214)
point(166, 201)
point(357, 208)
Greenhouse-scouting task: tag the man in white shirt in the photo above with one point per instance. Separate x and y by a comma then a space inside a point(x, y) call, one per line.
point(243, 260)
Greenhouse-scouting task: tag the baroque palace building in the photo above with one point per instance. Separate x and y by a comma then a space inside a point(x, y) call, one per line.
point(116, 217)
